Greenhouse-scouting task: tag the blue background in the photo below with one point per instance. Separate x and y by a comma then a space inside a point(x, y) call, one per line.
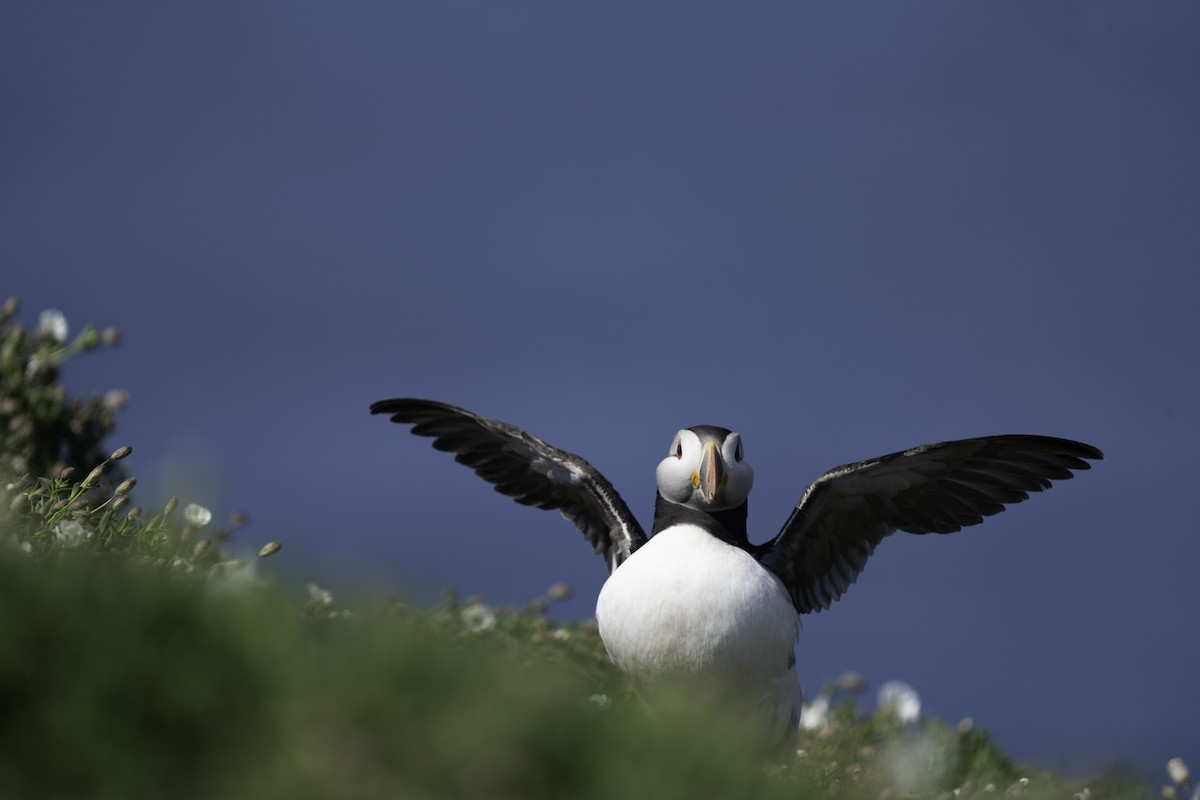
point(841, 229)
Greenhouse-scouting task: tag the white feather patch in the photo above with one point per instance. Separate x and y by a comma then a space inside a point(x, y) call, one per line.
point(687, 603)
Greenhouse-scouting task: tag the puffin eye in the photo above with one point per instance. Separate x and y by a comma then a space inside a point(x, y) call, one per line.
point(678, 448)
point(737, 454)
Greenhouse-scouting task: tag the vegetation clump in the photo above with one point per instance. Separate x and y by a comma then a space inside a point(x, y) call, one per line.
point(42, 429)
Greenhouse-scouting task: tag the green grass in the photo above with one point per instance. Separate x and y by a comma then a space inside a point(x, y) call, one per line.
point(123, 682)
point(120, 681)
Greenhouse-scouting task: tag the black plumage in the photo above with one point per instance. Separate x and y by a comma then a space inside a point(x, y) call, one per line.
point(936, 488)
point(528, 470)
point(837, 524)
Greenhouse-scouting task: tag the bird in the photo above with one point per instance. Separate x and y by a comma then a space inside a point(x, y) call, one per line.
point(696, 601)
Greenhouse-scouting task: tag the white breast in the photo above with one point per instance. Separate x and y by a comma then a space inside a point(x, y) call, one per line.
point(687, 603)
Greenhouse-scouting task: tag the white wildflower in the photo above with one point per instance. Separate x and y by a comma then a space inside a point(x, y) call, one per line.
point(815, 715)
point(1178, 771)
point(181, 565)
point(478, 618)
point(900, 699)
point(196, 515)
point(318, 597)
point(1017, 788)
point(70, 533)
point(54, 323)
point(561, 634)
point(233, 576)
point(600, 701)
point(12, 543)
point(915, 763)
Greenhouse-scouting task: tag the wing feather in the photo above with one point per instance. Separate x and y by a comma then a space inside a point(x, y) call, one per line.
point(936, 488)
point(528, 470)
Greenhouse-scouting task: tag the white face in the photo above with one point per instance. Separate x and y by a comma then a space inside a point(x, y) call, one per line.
point(707, 475)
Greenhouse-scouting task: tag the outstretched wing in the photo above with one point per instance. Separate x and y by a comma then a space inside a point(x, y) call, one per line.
point(937, 488)
point(528, 470)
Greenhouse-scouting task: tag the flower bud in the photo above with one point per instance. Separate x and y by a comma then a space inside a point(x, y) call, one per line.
point(125, 487)
point(171, 504)
point(120, 503)
point(111, 337)
point(559, 592)
point(269, 549)
point(89, 339)
point(851, 682)
point(10, 308)
point(1178, 771)
point(201, 548)
point(93, 477)
point(120, 453)
point(116, 400)
point(135, 512)
point(18, 502)
point(66, 474)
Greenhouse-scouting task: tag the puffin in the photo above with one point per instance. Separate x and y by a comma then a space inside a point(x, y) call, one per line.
point(696, 603)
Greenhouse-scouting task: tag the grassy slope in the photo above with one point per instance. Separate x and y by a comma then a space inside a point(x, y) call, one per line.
point(119, 681)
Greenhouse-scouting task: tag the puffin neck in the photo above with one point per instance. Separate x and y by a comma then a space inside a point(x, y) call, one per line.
point(729, 525)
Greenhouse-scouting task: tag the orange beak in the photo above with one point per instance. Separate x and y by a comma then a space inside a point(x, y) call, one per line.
point(712, 472)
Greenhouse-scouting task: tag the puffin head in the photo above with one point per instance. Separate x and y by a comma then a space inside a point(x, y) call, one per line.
point(705, 470)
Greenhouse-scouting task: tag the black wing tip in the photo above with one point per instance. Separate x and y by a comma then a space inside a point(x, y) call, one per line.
point(391, 405)
point(402, 408)
point(1054, 444)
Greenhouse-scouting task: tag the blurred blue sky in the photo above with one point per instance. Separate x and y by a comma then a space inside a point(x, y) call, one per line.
point(841, 229)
